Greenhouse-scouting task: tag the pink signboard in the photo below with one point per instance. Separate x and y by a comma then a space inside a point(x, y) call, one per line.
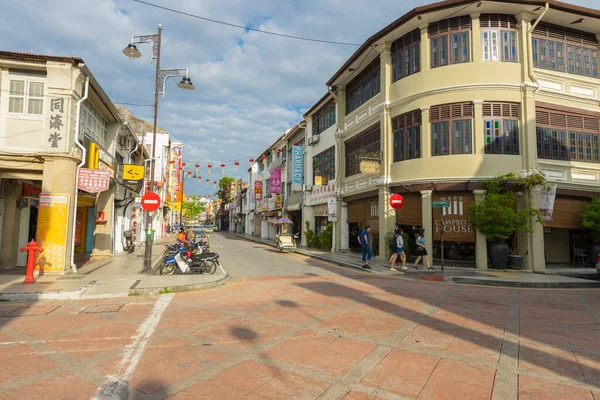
point(275, 184)
point(93, 180)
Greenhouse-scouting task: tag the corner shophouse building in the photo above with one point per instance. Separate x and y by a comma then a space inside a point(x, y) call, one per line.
point(38, 120)
point(445, 121)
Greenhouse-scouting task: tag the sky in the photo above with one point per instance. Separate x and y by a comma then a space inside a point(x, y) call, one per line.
point(250, 87)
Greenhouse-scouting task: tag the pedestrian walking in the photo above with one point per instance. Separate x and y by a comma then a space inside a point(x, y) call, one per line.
point(365, 245)
point(422, 251)
point(399, 250)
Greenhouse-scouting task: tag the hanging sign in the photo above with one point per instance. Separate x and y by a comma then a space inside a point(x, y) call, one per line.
point(275, 182)
point(547, 197)
point(258, 190)
point(132, 174)
point(332, 209)
point(93, 180)
point(297, 166)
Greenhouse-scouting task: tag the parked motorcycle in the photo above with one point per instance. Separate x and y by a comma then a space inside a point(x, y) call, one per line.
point(128, 244)
point(189, 263)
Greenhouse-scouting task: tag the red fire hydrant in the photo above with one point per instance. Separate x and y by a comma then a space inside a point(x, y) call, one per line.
point(31, 247)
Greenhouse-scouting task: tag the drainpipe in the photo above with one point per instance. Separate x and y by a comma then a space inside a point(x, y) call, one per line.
point(81, 164)
point(529, 50)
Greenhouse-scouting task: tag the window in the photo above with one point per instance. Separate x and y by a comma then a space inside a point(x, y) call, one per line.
point(363, 87)
point(499, 44)
point(567, 136)
point(501, 126)
point(324, 118)
point(407, 136)
point(269, 159)
point(449, 41)
point(25, 93)
point(368, 142)
point(565, 50)
point(324, 167)
point(451, 129)
point(406, 55)
point(93, 125)
point(267, 188)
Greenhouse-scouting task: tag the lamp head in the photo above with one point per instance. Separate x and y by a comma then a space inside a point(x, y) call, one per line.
point(186, 84)
point(132, 51)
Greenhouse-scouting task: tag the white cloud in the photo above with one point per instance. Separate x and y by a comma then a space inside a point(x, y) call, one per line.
point(250, 87)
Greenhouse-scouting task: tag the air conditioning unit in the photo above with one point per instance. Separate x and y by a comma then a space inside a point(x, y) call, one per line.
point(307, 187)
point(313, 140)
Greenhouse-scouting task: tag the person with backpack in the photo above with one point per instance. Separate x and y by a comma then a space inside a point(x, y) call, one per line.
point(398, 243)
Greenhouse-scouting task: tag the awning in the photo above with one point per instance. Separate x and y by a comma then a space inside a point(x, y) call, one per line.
point(293, 207)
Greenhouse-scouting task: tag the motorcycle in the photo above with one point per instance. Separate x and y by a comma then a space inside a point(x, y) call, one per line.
point(171, 249)
point(128, 245)
point(188, 262)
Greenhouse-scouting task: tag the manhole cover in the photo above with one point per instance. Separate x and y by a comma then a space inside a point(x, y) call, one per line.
point(26, 311)
point(101, 308)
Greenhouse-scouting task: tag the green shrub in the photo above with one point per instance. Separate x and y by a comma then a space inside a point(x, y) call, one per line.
point(590, 218)
point(326, 237)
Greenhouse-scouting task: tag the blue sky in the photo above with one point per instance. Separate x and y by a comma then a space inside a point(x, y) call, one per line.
point(250, 87)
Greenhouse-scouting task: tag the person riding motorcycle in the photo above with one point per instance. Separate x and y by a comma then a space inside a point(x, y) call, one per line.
point(181, 235)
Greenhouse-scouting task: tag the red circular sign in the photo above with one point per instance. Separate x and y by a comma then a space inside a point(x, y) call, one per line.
point(150, 201)
point(396, 201)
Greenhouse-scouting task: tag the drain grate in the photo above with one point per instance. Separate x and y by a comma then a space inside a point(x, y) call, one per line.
point(26, 311)
point(101, 308)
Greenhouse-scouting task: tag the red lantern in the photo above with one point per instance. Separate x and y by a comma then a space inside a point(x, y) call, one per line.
point(251, 160)
point(209, 167)
point(197, 166)
point(279, 150)
point(172, 162)
point(183, 164)
point(215, 184)
point(236, 165)
point(208, 180)
point(263, 158)
point(222, 169)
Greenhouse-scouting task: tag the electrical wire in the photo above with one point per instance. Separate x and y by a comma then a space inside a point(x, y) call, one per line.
point(245, 27)
point(133, 104)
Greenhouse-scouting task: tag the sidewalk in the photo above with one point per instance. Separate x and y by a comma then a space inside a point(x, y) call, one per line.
point(508, 278)
point(116, 276)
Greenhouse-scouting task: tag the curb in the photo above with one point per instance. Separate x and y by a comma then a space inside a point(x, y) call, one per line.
point(529, 285)
point(38, 296)
point(153, 291)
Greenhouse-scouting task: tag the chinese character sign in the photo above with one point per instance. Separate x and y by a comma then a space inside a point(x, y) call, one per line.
point(297, 165)
point(53, 218)
point(275, 183)
point(258, 190)
point(56, 121)
point(93, 180)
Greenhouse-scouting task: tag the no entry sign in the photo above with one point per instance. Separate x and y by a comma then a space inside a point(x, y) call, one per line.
point(396, 201)
point(150, 201)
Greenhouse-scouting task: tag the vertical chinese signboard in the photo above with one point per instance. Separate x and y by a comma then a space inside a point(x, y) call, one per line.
point(57, 109)
point(175, 187)
point(258, 190)
point(53, 218)
point(275, 182)
point(297, 165)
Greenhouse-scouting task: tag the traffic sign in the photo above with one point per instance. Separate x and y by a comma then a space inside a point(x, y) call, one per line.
point(150, 201)
point(396, 201)
point(440, 204)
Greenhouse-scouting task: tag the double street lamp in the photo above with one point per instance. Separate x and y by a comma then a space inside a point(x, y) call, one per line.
point(159, 89)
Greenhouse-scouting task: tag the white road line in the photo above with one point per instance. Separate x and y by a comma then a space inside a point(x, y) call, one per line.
point(115, 387)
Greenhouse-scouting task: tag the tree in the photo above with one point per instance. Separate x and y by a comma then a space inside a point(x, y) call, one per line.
point(192, 209)
point(224, 186)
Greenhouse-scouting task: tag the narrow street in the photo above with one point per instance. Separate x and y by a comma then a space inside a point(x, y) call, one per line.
point(289, 327)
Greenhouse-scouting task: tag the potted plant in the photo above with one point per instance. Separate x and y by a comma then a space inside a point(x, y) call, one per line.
point(590, 220)
point(497, 218)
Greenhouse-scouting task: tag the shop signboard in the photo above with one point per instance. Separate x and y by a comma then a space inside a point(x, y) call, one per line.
point(297, 166)
point(332, 209)
point(320, 194)
point(51, 235)
point(132, 174)
point(258, 186)
point(275, 181)
point(93, 180)
point(452, 217)
point(547, 197)
point(278, 199)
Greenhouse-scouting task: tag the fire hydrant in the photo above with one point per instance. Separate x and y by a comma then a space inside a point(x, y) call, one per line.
point(31, 247)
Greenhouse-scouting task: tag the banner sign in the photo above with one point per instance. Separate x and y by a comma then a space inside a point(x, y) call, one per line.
point(93, 180)
point(332, 209)
point(175, 186)
point(547, 198)
point(275, 183)
point(297, 166)
point(53, 218)
point(278, 201)
point(258, 190)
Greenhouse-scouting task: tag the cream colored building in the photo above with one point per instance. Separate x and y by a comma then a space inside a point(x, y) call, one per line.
point(457, 92)
point(52, 110)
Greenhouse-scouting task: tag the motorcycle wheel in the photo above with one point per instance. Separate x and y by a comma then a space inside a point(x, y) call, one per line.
point(131, 249)
point(167, 269)
point(210, 267)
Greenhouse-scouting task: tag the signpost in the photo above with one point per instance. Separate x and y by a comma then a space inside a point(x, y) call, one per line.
point(441, 204)
point(150, 201)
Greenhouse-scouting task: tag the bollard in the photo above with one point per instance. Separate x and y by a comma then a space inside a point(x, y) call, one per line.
point(31, 247)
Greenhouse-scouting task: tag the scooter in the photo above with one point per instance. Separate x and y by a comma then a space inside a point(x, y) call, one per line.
point(188, 262)
point(128, 245)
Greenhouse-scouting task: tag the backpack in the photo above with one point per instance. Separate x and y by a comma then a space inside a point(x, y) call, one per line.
point(392, 245)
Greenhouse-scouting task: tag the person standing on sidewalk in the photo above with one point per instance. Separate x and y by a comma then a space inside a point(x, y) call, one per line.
point(422, 251)
point(400, 248)
point(365, 245)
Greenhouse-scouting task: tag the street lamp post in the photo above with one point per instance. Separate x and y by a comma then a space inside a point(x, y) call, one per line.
point(159, 88)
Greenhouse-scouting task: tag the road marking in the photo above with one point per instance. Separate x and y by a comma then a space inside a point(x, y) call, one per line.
point(116, 386)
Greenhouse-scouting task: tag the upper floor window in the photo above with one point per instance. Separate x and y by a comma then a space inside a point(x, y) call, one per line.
point(363, 87)
point(324, 166)
point(94, 125)
point(449, 41)
point(451, 129)
point(406, 55)
point(567, 136)
point(501, 126)
point(267, 188)
point(407, 136)
point(26, 97)
point(269, 159)
point(324, 118)
point(499, 37)
point(565, 50)
point(368, 142)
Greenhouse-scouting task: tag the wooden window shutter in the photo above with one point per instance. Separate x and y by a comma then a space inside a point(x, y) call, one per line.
point(575, 121)
point(487, 109)
point(407, 119)
point(590, 123)
point(558, 120)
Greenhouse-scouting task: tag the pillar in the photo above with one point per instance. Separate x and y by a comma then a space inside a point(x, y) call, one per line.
point(387, 218)
point(532, 249)
point(345, 229)
point(425, 133)
point(481, 257)
point(424, 48)
point(8, 248)
point(476, 39)
point(307, 215)
point(478, 128)
point(427, 219)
